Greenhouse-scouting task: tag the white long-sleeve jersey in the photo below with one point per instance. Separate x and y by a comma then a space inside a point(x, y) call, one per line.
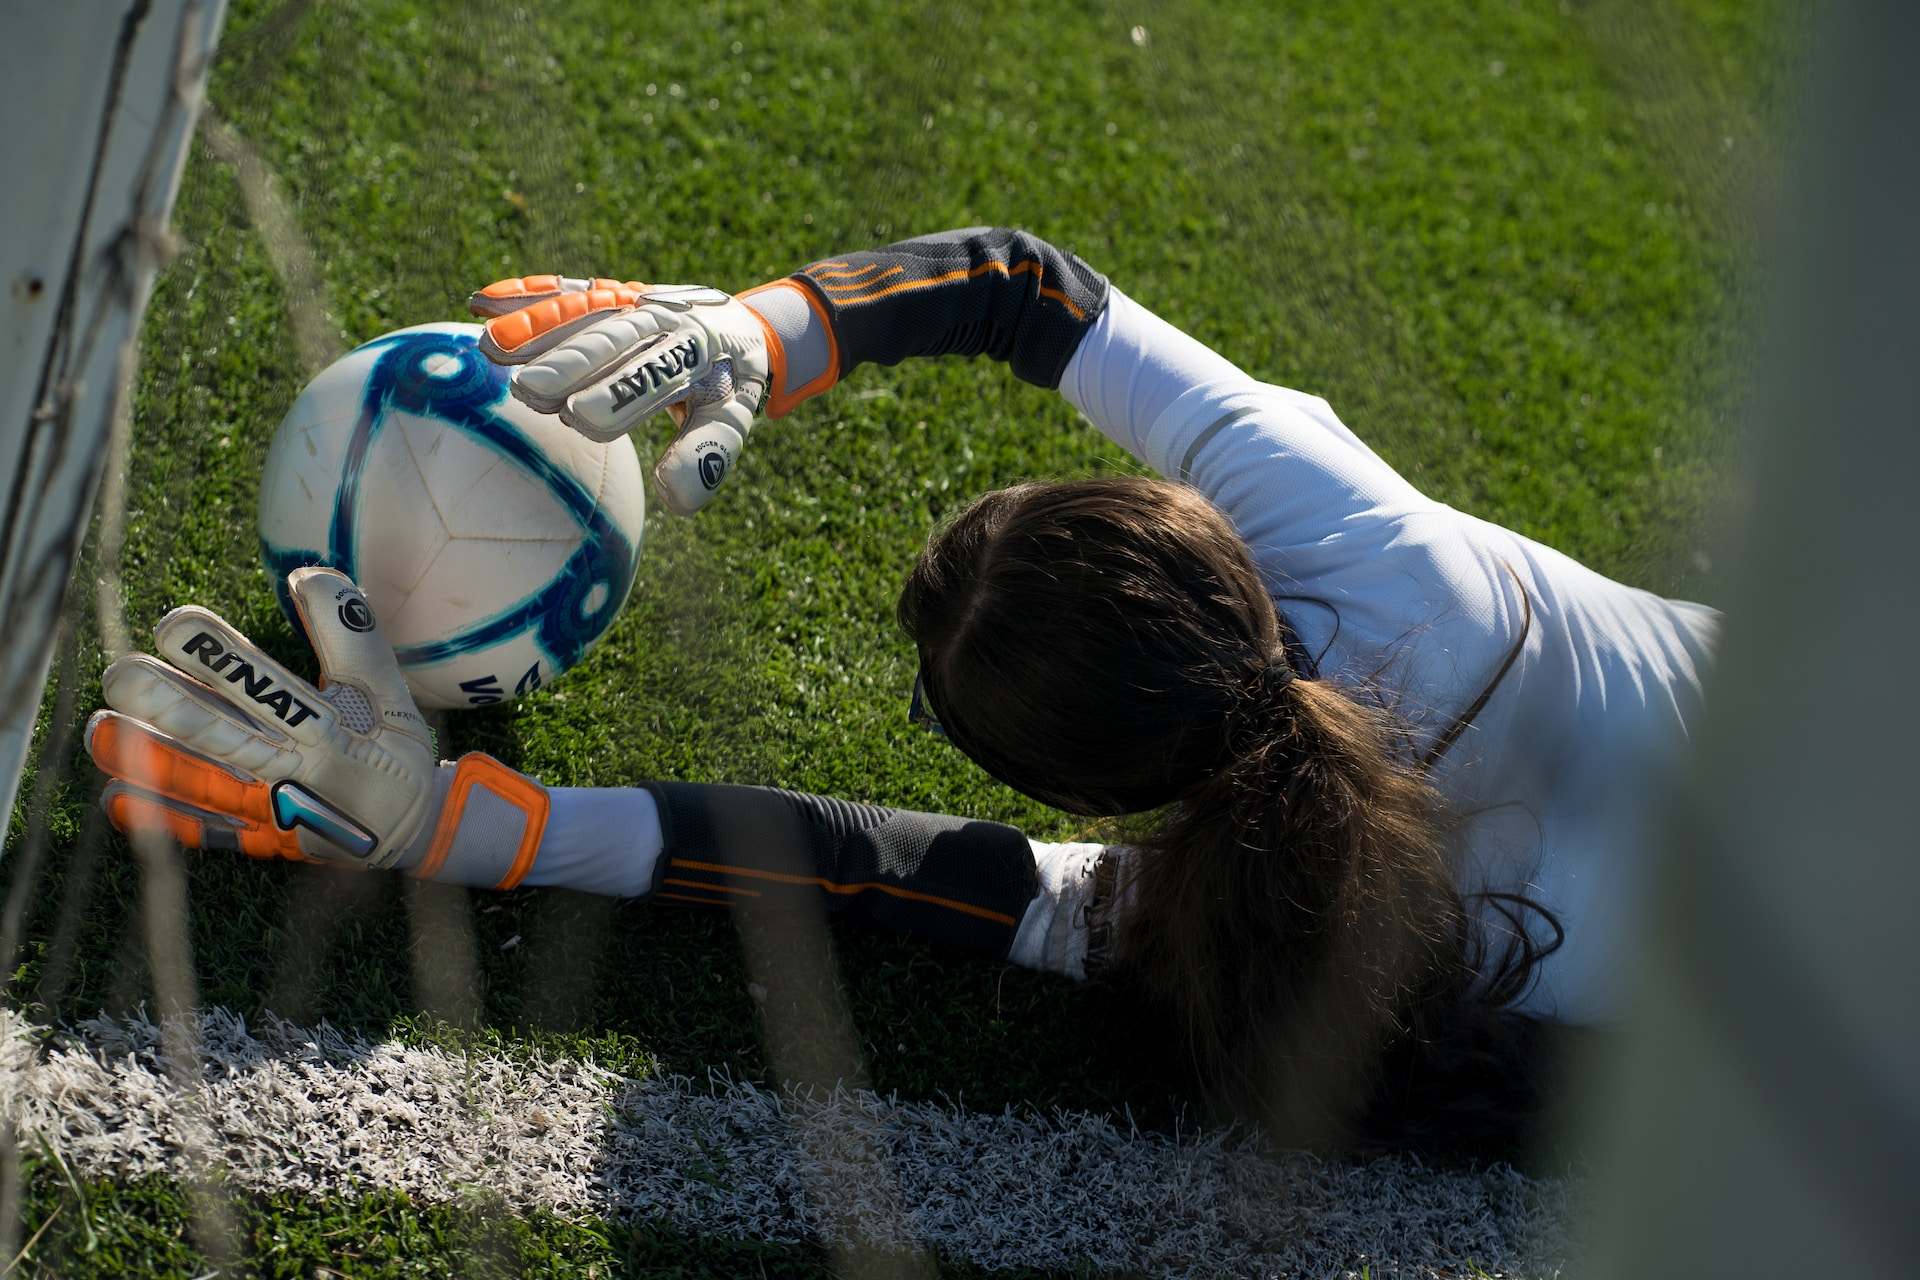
point(1559, 777)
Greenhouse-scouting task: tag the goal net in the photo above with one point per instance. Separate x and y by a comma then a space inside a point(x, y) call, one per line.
point(1396, 219)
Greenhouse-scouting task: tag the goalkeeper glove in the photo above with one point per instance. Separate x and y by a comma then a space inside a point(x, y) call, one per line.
point(606, 356)
point(221, 747)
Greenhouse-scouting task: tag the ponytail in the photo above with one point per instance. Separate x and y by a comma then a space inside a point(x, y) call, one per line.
point(1287, 913)
point(1290, 910)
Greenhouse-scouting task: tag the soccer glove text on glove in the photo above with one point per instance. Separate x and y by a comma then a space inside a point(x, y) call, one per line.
point(221, 747)
point(606, 356)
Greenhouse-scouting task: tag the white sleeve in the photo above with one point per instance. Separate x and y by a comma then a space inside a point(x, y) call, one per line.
point(605, 840)
point(1283, 468)
point(599, 840)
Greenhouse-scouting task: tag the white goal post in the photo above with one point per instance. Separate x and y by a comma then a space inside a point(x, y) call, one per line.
point(99, 99)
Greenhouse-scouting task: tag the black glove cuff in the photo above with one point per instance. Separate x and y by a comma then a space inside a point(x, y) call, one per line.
point(982, 291)
point(955, 881)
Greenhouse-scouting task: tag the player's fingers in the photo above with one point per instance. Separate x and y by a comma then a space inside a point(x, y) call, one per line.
point(646, 380)
point(354, 654)
point(691, 467)
point(136, 752)
point(161, 783)
point(193, 713)
point(195, 798)
point(134, 810)
point(514, 292)
point(270, 699)
point(535, 329)
point(598, 352)
point(503, 296)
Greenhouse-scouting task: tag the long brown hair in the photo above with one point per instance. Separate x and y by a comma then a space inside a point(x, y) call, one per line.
point(1108, 647)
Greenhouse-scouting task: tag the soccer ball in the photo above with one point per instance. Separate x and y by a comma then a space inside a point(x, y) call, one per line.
point(494, 543)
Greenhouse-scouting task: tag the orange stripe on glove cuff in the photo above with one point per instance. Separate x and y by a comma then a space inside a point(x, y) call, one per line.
point(490, 825)
point(798, 334)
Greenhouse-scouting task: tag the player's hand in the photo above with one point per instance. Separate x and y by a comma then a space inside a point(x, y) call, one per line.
point(223, 748)
point(606, 356)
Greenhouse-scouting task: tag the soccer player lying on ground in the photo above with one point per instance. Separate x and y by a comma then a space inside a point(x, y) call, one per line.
point(1394, 755)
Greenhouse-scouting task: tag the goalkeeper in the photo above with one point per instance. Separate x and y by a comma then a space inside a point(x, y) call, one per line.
point(1395, 757)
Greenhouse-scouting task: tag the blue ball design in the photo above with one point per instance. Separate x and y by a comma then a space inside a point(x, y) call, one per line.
point(574, 607)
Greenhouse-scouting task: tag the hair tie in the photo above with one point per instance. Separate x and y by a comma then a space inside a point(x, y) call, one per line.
point(1252, 721)
point(1264, 694)
point(1275, 677)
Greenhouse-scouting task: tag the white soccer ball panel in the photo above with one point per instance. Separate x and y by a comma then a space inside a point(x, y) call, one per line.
point(473, 579)
point(296, 500)
point(308, 454)
point(397, 532)
point(623, 486)
point(449, 461)
point(502, 502)
point(334, 393)
point(592, 462)
point(300, 480)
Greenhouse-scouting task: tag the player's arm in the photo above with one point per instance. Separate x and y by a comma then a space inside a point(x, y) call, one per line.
point(1278, 462)
point(960, 882)
point(957, 882)
point(985, 291)
point(217, 746)
point(605, 356)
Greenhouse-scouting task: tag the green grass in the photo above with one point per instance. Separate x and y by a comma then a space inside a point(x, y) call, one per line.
point(1493, 235)
point(146, 1229)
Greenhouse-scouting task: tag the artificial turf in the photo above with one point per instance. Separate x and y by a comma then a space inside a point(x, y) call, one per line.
point(1511, 242)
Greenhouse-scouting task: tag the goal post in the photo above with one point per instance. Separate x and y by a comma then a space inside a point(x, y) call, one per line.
point(100, 98)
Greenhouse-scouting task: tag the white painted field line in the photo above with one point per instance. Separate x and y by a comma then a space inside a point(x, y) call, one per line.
point(312, 1111)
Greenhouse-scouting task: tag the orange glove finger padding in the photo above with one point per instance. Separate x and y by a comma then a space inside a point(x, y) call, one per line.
point(162, 785)
point(529, 315)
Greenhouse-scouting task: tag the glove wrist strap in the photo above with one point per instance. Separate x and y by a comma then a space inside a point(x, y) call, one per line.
point(489, 828)
point(802, 354)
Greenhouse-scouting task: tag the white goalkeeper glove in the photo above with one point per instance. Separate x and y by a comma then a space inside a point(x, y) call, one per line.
point(221, 747)
point(606, 356)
